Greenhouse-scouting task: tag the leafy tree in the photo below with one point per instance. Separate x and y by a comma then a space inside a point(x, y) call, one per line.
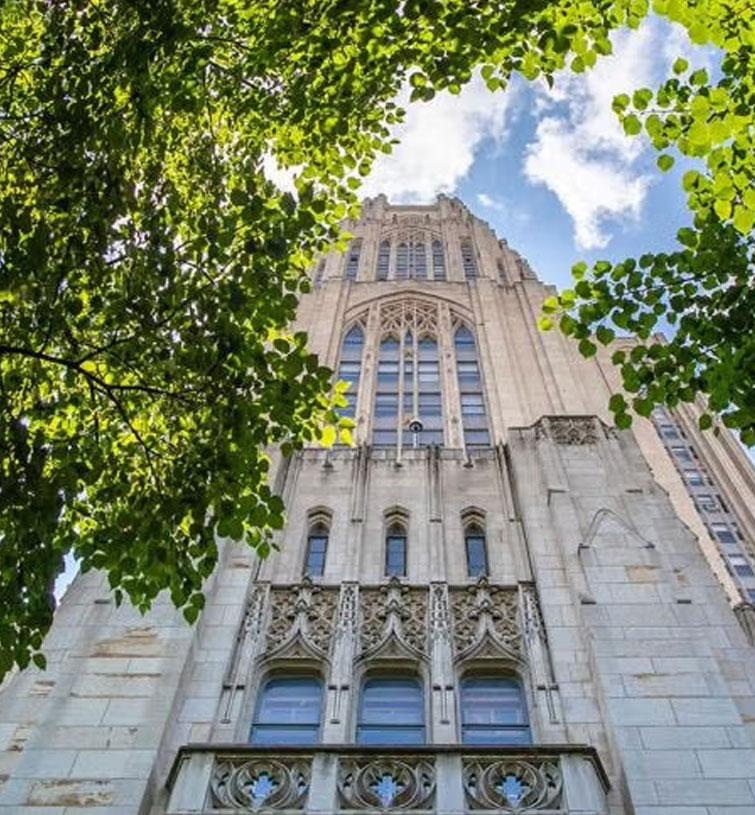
point(704, 289)
point(149, 270)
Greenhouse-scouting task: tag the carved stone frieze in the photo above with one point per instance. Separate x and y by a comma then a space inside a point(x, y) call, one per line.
point(575, 430)
point(399, 316)
point(394, 615)
point(302, 615)
point(260, 783)
point(512, 784)
point(486, 621)
point(440, 611)
point(386, 784)
point(534, 627)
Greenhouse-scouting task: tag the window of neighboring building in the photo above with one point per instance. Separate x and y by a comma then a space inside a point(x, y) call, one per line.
point(350, 368)
point(493, 711)
point(288, 711)
point(741, 565)
point(383, 260)
point(682, 453)
point(468, 259)
point(352, 261)
point(439, 261)
point(317, 549)
point(669, 431)
point(391, 712)
point(723, 532)
point(477, 559)
point(694, 477)
point(706, 503)
point(395, 550)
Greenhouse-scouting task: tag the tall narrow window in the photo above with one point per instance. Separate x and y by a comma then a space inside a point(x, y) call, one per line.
point(473, 418)
point(391, 712)
point(419, 261)
point(493, 711)
point(395, 551)
point(439, 261)
point(384, 432)
point(350, 368)
point(288, 712)
point(477, 557)
point(319, 273)
point(402, 261)
point(468, 259)
point(317, 549)
point(352, 260)
point(383, 260)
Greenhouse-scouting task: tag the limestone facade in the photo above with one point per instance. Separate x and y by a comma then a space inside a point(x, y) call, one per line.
point(513, 535)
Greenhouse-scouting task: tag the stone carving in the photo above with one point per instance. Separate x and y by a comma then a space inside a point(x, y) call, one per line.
point(486, 621)
point(534, 628)
point(513, 784)
point(440, 612)
point(394, 615)
point(303, 616)
point(260, 783)
point(399, 316)
point(346, 621)
point(576, 430)
point(386, 784)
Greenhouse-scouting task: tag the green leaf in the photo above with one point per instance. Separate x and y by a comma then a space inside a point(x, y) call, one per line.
point(680, 65)
point(632, 125)
point(587, 348)
point(665, 163)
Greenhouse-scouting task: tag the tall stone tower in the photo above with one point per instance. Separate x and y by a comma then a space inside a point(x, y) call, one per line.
point(494, 601)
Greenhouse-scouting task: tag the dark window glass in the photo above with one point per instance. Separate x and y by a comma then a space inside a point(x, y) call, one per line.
point(391, 712)
point(724, 533)
point(707, 503)
point(402, 262)
point(477, 559)
point(476, 438)
point(694, 478)
point(317, 547)
point(352, 262)
point(288, 712)
point(420, 261)
point(740, 565)
point(468, 260)
point(669, 431)
point(395, 552)
point(354, 339)
point(493, 711)
point(464, 341)
point(386, 404)
point(682, 453)
point(439, 261)
point(472, 404)
point(383, 261)
point(384, 438)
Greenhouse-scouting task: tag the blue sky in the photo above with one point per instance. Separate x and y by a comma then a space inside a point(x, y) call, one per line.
point(551, 170)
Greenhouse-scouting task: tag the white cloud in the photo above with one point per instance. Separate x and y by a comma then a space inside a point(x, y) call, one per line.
point(438, 142)
point(490, 202)
point(580, 151)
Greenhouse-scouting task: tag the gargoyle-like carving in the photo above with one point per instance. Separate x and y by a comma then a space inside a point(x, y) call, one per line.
point(302, 618)
point(250, 786)
point(486, 621)
point(512, 784)
point(386, 784)
point(394, 617)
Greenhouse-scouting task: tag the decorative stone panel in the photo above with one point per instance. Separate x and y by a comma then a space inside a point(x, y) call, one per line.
point(486, 616)
point(386, 784)
point(260, 783)
point(305, 611)
point(575, 430)
point(513, 784)
point(394, 613)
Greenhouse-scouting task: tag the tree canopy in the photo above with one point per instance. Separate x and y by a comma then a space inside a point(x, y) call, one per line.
point(149, 270)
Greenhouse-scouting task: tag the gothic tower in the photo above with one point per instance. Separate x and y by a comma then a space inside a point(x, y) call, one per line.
point(493, 601)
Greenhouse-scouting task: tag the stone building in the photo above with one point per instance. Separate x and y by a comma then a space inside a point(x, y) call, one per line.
point(494, 601)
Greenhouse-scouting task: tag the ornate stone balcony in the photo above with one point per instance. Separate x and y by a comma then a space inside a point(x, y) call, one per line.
point(328, 779)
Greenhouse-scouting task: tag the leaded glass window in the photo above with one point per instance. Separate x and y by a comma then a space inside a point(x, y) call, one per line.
point(288, 712)
point(477, 558)
point(402, 262)
point(350, 368)
point(473, 414)
point(317, 549)
point(383, 260)
point(391, 712)
point(468, 262)
point(493, 711)
point(352, 260)
point(395, 551)
point(439, 261)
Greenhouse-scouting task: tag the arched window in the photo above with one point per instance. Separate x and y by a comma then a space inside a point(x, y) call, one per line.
point(439, 261)
point(477, 557)
point(418, 265)
point(317, 549)
point(383, 261)
point(473, 418)
point(350, 367)
point(402, 262)
point(352, 261)
point(395, 550)
point(288, 711)
point(391, 711)
point(493, 711)
point(468, 260)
